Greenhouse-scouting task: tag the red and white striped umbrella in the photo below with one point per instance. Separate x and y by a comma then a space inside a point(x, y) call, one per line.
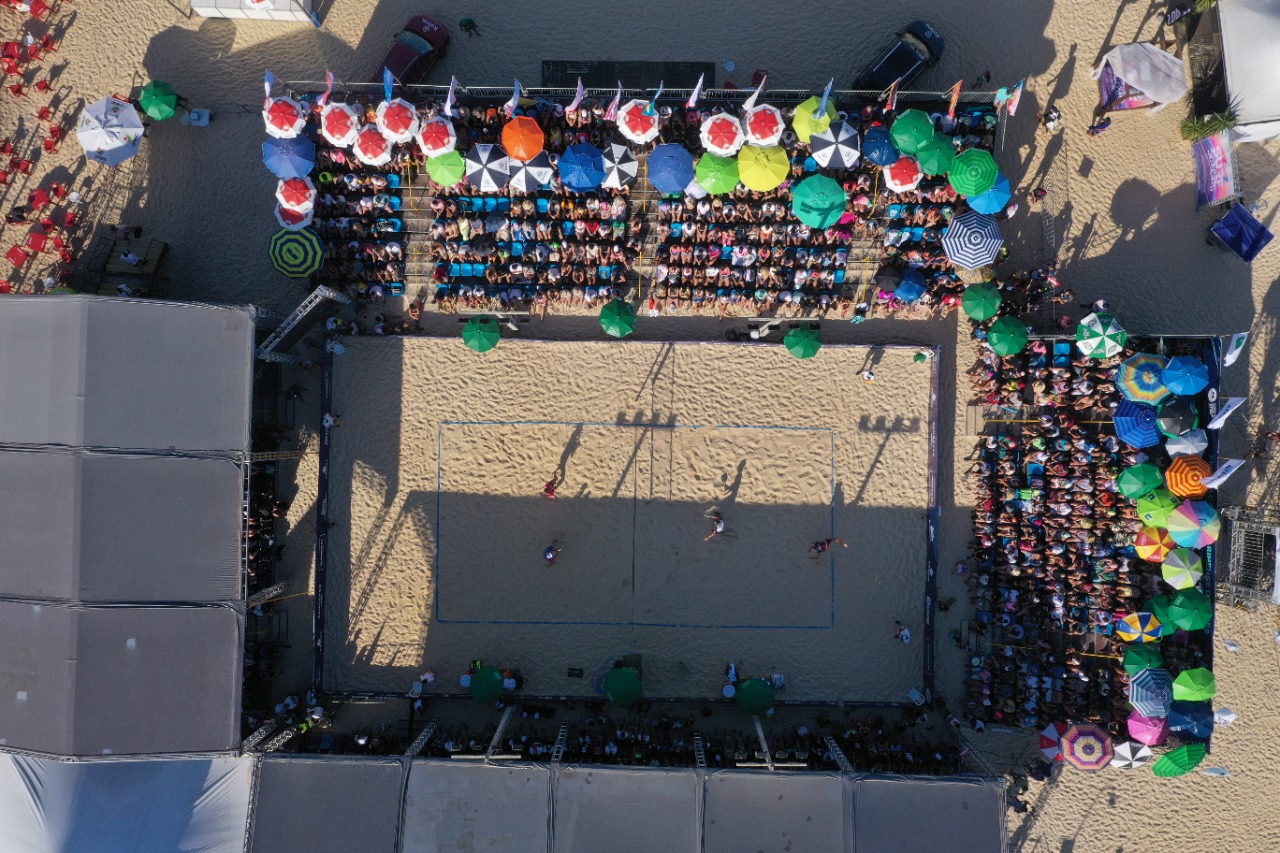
point(437, 137)
point(296, 194)
point(635, 125)
point(903, 176)
point(294, 220)
point(1051, 741)
point(339, 124)
point(371, 147)
point(723, 134)
point(397, 119)
point(284, 117)
point(764, 125)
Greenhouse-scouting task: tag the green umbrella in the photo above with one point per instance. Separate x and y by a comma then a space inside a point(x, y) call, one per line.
point(622, 686)
point(1191, 609)
point(981, 301)
point(1182, 568)
point(936, 157)
point(911, 131)
point(1159, 608)
point(803, 342)
point(481, 333)
point(618, 318)
point(1195, 685)
point(818, 201)
point(158, 100)
point(803, 122)
point(1154, 507)
point(1138, 480)
point(1007, 336)
point(447, 169)
point(297, 254)
point(762, 169)
point(755, 696)
point(1142, 656)
point(717, 175)
point(1100, 335)
point(973, 172)
point(486, 685)
point(1180, 761)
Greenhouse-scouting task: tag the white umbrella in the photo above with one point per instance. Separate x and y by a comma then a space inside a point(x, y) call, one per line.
point(437, 136)
point(1191, 444)
point(1131, 755)
point(903, 176)
point(110, 131)
point(836, 147)
point(397, 119)
point(1224, 717)
point(294, 220)
point(296, 194)
point(531, 175)
point(488, 167)
point(620, 167)
point(722, 134)
point(339, 124)
point(764, 125)
point(635, 125)
point(371, 147)
point(284, 117)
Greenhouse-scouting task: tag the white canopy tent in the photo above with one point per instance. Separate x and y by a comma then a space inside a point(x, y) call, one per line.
point(1159, 76)
point(1250, 41)
point(748, 810)
point(626, 810)
point(460, 806)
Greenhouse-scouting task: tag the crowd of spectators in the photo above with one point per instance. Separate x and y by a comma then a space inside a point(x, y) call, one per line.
point(357, 214)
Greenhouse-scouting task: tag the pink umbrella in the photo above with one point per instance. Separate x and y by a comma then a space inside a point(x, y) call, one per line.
point(763, 125)
point(723, 134)
point(397, 119)
point(1051, 741)
point(635, 125)
point(437, 137)
point(372, 148)
point(296, 194)
point(1152, 731)
point(339, 124)
point(903, 176)
point(284, 117)
point(294, 220)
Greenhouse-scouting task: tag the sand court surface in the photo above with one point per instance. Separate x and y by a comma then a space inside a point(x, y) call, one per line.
point(437, 475)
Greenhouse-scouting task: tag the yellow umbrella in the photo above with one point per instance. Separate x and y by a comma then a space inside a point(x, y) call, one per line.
point(762, 169)
point(805, 125)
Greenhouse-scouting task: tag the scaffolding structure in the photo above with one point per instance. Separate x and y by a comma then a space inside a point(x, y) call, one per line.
point(1253, 540)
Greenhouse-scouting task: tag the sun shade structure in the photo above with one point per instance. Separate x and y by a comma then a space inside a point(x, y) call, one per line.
point(297, 254)
point(1191, 610)
point(531, 175)
point(635, 125)
point(1135, 424)
point(1140, 378)
point(481, 334)
point(807, 120)
point(1180, 761)
point(289, 158)
point(1185, 474)
point(972, 240)
point(1100, 335)
point(1194, 524)
point(818, 201)
point(397, 119)
point(722, 134)
point(764, 125)
point(802, 342)
point(981, 301)
point(762, 169)
point(618, 319)
point(486, 685)
point(1178, 417)
point(109, 131)
point(448, 169)
point(1151, 731)
point(1007, 336)
point(1138, 658)
point(372, 147)
point(936, 157)
point(296, 193)
point(1140, 627)
point(1195, 685)
point(973, 172)
point(836, 147)
point(878, 147)
point(622, 686)
point(488, 167)
point(903, 175)
point(1087, 747)
point(437, 136)
point(620, 167)
point(158, 100)
point(995, 199)
point(582, 167)
point(717, 175)
point(1137, 480)
point(522, 138)
point(1192, 443)
point(1140, 74)
point(1151, 692)
point(1191, 719)
point(339, 124)
point(911, 131)
point(1185, 375)
point(755, 696)
point(293, 220)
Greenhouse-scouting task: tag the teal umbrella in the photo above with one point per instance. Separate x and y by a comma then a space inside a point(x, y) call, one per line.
point(911, 131)
point(481, 333)
point(755, 696)
point(622, 686)
point(803, 342)
point(486, 685)
point(818, 201)
point(618, 318)
point(936, 157)
point(1007, 336)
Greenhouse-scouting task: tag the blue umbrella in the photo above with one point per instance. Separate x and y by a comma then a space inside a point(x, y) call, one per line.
point(1136, 424)
point(289, 158)
point(1151, 692)
point(877, 146)
point(912, 286)
point(1185, 376)
point(972, 240)
point(582, 167)
point(995, 199)
point(1191, 719)
point(670, 168)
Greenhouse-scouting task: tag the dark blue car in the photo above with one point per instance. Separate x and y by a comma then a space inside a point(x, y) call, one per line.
point(918, 47)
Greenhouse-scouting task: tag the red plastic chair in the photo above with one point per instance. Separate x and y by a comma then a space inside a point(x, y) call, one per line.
point(48, 43)
point(43, 86)
point(6, 287)
point(17, 256)
point(59, 189)
point(56, 132)
point(51, 146)
point(18, 164)
point(18, 90)
point(38, 199)
point(65, 257)
point(48, 224)
point(33, 53)
point(36, 241)
point(10, 68)
point(44, 115)
point(39, 9)
point(11, 50)
point(70, 221)
point(4, 178)
point(58, 243)
point(6, 147)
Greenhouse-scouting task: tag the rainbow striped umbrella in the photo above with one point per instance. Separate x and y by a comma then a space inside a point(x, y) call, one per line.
point(1153, 544)
point(1194, 524)
point(1140, 378)
point(1139, 626)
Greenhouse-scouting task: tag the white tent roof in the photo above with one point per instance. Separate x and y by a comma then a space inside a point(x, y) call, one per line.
point(460, 806)
point(1160, 76)
point(896, 813)
point(1250, 36)
point(626, 810)
point(775, 812)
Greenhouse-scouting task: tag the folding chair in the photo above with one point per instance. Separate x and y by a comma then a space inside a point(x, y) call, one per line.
point(18, 164)
point(43, 86)
point(17, 90)
point(51, 146)
point(17, 256)
point(36, 241)
point(56, 132)
point(48, 43)
point(70, 221)
point(39, 9)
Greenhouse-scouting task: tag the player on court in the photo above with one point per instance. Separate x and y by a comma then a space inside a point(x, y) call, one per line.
point(817, 549)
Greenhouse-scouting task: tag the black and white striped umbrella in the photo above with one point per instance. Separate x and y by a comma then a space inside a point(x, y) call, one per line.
point(488, 167)
point(531, 175)
point(620, 167)
point(836, 147)
point(972, 240)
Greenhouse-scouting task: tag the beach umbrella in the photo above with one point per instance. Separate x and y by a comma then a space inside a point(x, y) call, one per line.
point(1194, 524)
point(762, 169)
point(670, 168)
point(972, 240)
point(1158, 606)
point(1140, 657)
point(437, 136)
point(1185, 474)
point(1051, 741)
point(887, 278)
point(904, 175)
point(1139, 378)
point(481, 334)
point(911, 287)
point(1195, 685)
point(620, 167)
point(1224, 717)
point(1137, 480)
point(634, 124)
point(158, 100)
point(522, 138)
point(1100, 335)
point(297, 194)
point(447, 169)
point(1151, 692)
point(297, 254)
point(722, 134)
point(397, 119)
point(1189, 444)
point(818, 201)
point(1154, 507)
point(1191, 609)
point(1182, 568)
point(488, 167)
point(622, 686)
point(289, 158)
point(371, 147)
point(716, 174)
point(1185, 375)
point(836, 147)
point(339, 124)
point(582, 167)
point(109, 131)
point(877, 146)
point(803, 341)
point(1135, 424)
point(486, 685)
point(763, 125)
point(807, 120)
point(1007, 336)
point(531, 175)
point(981, 301)
point(755, 696)
point(1191, 719)
point(1152, 731)
point(1180, 761)
point(1131, 755)
point(284, 117)
point(911, 131)
point(973, 172)
point(294, 220)
point(1139, 627)
point(995, 199)
point(1087, 747)
point(1153, 544)
point(936, 157)
point(1178, 417)
point(618, 318)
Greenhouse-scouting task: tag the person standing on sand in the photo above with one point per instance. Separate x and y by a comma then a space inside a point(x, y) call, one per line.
point(469, 26)
point(549, 553)
point(1100, 127)
point(903, 634)
point(549, 490)
point(717, 525)
point(822, 546)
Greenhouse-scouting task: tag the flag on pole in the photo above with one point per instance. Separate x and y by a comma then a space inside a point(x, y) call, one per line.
point(577, 98)
point(953, 98)
point(750, 103)
point(891, 102)
point(1234, 348)
point(1015, 96)
point(1225, 470)
point(451, 99)
point(1229, 406)
point(388, 80)
point(611, 114)
point(826, 96)
point(510, 106)
point(697, 93)
point(652, 106)
point(328, 89)
point(268, 81)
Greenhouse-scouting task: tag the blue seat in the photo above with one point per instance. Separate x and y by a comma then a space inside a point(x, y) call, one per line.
point(466, 270)
point(478, 269)
point(455, 270)
point(490, 204)
point(464, 203)
point(543, 205)
point(810, 164)
point(395, 288)
point(895, 211)
point(517, 250)
point(504, 204)
point(605, 272)
point(917, 233)
point(568, 229)
point(393, 180)
point(839, 277)
point(676, 229)
point(395, 202)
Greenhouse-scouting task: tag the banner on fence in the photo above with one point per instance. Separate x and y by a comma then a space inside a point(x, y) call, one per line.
point(1215, 177)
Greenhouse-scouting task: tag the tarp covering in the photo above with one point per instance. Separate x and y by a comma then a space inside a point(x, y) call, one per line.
point(93, 527)
point(626, 811)
point(923, 814)
point(190, 804)
point(1160, 76)
point(1242, 233)
point(775, 812)
point(124, 680)
point(327, 804)
point(460, 806)
point(1250, 34)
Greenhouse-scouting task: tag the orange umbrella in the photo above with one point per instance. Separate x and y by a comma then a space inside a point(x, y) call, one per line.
point(1154, 544)
point(522, 138)
point(1184, 476)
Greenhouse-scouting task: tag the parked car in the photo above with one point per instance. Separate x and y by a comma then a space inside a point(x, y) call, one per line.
point(418, 47)
point(918, 47)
